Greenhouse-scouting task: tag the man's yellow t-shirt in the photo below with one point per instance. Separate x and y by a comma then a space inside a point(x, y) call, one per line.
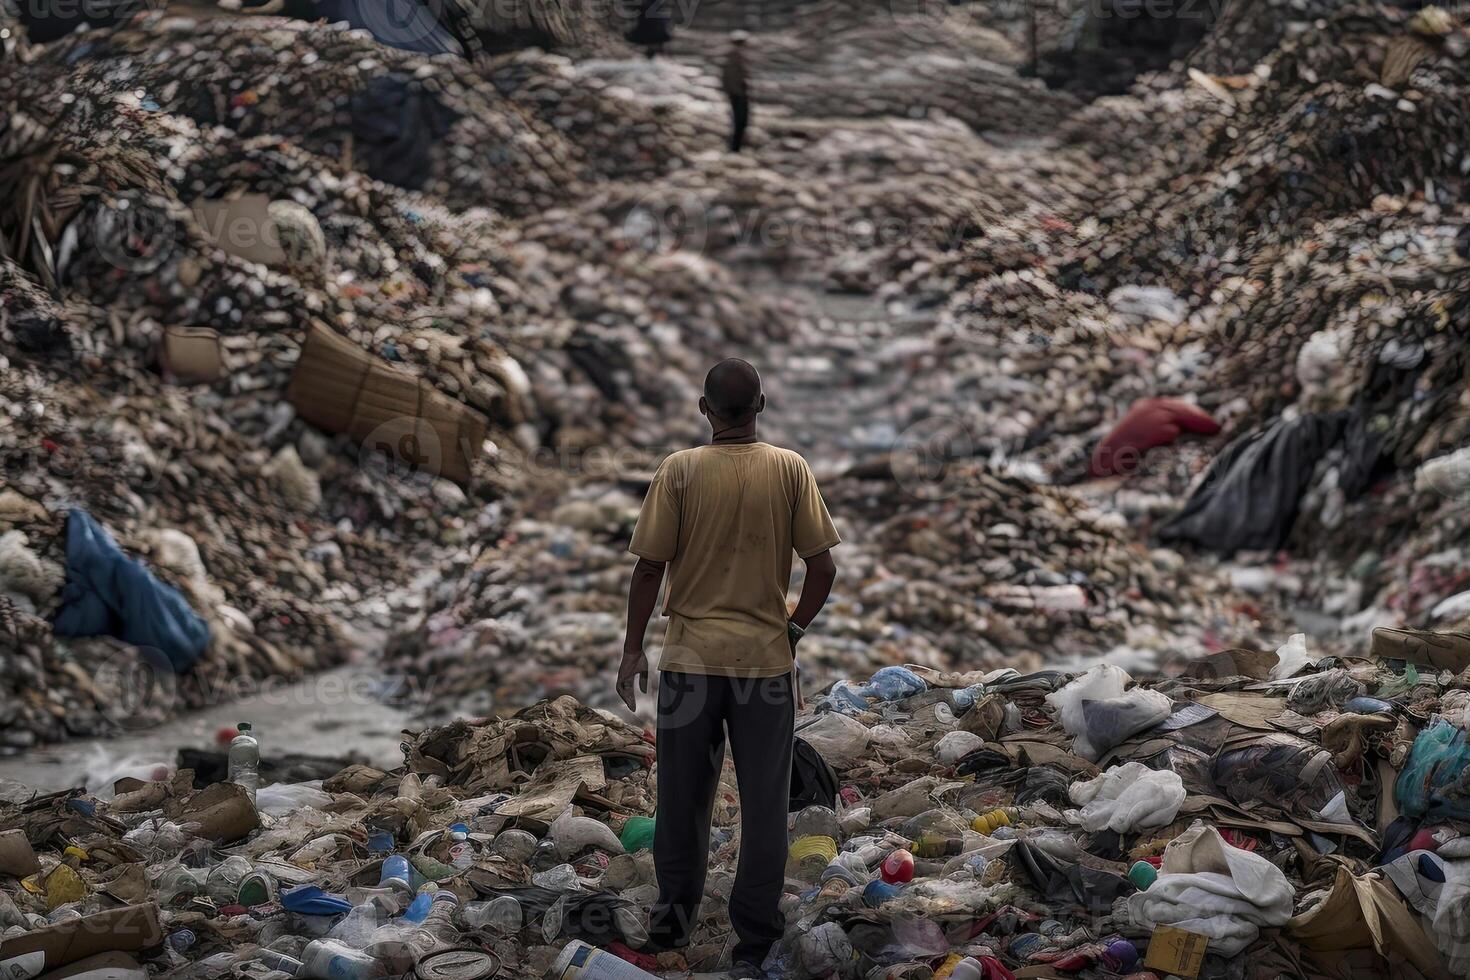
point(727, 518)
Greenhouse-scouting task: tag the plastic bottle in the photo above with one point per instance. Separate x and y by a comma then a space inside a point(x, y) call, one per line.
point(222, 884)
point(244, 760)
point(501, 915)
point(179, 884)
point(288, 965)
point(396, 873)
point(327, 959)
point(356, 928)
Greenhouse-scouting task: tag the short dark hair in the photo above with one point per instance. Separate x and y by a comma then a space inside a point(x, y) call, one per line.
point(733, 389)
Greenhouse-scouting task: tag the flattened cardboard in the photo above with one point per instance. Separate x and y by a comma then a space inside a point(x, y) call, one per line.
point(128, 929)
point(223, 812)
point(1440, 649)
point(339, 387)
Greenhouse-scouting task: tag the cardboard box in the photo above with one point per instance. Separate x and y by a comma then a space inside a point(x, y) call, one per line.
point(415, 428)
point(128, 929)
point(223, 812)
point(192, 354)
point(1442, 650)
point(1176, 951)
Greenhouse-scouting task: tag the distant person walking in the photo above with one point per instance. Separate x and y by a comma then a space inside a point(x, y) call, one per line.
point(654, 27)
point(725, 519)
point(737, 86)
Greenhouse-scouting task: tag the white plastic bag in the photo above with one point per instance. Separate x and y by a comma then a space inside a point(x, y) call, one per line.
point(1101, 682)
point(1291, 657)
point(1126, 799)
point(279, 799)
point(841, 740)
point(955, 746)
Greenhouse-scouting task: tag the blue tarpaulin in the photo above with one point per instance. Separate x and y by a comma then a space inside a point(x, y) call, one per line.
point(109, 594)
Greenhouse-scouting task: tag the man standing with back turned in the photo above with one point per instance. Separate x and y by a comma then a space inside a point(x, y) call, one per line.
point(725, 519)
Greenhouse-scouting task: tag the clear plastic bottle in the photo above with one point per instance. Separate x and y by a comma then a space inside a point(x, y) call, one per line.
point(327, 959)
point(501, 915)
point(223, 882)
point(179, 884)
point(244, 759)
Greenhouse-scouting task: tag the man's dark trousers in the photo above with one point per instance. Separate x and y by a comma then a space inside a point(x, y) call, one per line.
point(739, 120)
point(694, 712)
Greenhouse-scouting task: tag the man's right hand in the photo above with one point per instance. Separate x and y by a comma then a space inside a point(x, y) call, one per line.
point(634, 665)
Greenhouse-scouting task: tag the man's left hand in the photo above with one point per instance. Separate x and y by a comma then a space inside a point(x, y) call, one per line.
point(634, 664)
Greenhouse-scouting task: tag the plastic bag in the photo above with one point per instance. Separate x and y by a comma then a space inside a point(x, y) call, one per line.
point(1318, 692)
point(955, 746)
point(1127, 798)
point(279, 799)
point(1291, 657)
point(573, 834)
point(1435, 782)
point(1098, 684)
point(892, 683)
point(1281, 770)
point(841, 740)
point(1117, 719)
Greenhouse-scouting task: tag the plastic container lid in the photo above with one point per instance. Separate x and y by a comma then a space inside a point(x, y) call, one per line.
point(457, 964)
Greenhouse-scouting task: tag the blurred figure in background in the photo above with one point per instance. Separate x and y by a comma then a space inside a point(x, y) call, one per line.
point(654, 27)
point(737, 87)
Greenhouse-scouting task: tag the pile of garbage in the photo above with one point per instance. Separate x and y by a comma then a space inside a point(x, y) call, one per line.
point(283, 378)
point(1252, 815)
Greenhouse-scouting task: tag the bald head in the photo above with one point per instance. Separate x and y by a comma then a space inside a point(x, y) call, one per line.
point(732, 390)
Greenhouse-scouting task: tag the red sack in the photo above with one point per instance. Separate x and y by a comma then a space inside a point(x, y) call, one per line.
point(1150, 423)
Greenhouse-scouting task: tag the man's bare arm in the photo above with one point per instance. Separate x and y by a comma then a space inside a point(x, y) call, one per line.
point(821, 572)
point(648, 576)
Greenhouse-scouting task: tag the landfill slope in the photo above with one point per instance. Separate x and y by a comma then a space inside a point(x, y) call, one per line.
point(300, 545)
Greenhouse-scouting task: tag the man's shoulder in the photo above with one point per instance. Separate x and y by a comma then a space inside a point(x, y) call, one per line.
point(789, 457)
